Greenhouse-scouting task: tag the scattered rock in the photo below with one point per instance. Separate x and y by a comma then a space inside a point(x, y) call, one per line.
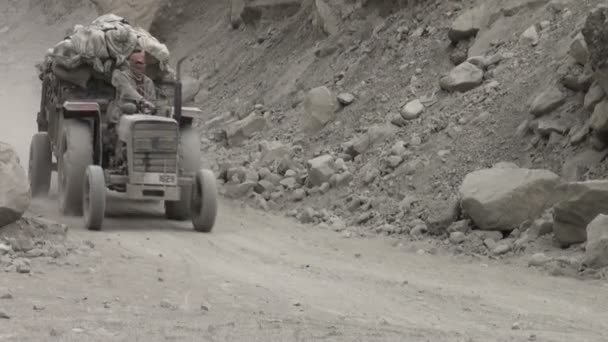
point(530, 36)
point(5, 249)
point(324, 18)
point(457, 237)
point(582, 202)
point(394, 161)
point(458, 56)
point(546, 126)
point(264, 186)
point(419, 229)
point(599, 118)
point(490, 244)
point(346, 99)
point(342, 179)
point(239, 131)
point(575, 167)
point(540, 227)
point(501, 248)
point(579, 134)
point(14, 186)
point(595, 33)
point(375, 134)
point(462, 78)
point(399, 148)
point(22, 265)
point(596, 249)
point(239, 190)
point(594, 96)
point(165, 304)
point(462, 226)
point(289, 182)
point(443, 216)
point(320, 170)
point(272, 151)
point(466, 25)
point(319, 106)
point(501, 199)
point(538, 259)
point(412, 110)
point(396, 119)
point(547, 102)
point(478, 61)
point(307, 216)
point(298, 195)
point(579, 50)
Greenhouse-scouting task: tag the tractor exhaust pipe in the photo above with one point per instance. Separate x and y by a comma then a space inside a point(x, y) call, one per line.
point(177, 105)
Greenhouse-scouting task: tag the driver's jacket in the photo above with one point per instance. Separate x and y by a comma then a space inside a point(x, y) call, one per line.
point(129, 90)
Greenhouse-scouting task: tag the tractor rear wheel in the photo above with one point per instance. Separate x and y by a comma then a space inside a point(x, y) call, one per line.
point(75, 155)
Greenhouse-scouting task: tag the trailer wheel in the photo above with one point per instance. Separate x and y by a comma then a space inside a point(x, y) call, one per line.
point(189, 162)
point(204, 201)
point(94, 197)
point(40, 165)
point(75, 154)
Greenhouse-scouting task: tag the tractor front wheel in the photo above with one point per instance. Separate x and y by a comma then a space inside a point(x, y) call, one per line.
point(94, 197)
point(204, 201)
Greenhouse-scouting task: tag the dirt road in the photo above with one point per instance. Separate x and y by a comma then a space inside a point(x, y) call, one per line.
point(258, 277)
point(264, 278)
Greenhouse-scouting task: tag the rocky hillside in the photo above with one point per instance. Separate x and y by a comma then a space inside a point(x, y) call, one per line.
point(366, 116)
point(474, 126)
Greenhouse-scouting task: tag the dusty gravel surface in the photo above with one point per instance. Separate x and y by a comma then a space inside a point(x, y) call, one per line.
point(259, 277)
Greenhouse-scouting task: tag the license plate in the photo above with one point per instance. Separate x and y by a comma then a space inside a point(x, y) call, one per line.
point(166, 179)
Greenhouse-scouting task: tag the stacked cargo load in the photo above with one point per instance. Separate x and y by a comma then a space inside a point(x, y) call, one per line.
point(103, 46)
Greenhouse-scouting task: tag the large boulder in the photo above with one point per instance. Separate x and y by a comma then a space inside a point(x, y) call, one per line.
point(15, 194)
point(582, 202)
point(503, 198)
point(320, 106)
point(596, 249)
point(239, 131)
point(464, 77)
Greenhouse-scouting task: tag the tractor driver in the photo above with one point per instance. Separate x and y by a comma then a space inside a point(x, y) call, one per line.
point(133, 86)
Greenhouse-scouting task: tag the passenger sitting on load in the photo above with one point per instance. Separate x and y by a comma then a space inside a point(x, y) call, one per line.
point(133, 86)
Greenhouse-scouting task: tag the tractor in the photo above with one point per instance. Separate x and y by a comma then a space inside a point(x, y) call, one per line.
point(145, 156)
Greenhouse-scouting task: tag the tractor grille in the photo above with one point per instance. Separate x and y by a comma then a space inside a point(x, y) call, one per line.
point(155, 147)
